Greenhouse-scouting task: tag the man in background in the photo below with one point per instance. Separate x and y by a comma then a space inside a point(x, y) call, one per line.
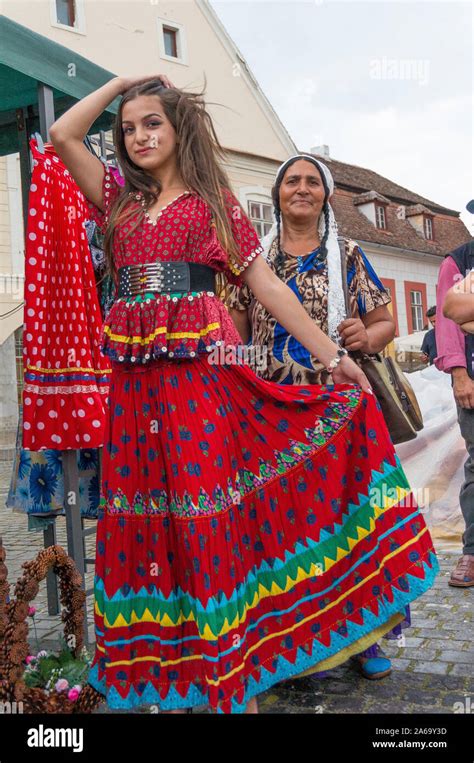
point(428, 348)
point(455, 357)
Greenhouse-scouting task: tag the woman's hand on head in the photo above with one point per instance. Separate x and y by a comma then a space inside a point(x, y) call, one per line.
point(128, 82)
point(348, 372)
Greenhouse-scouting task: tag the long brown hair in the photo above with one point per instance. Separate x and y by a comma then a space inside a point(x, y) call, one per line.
point(199, 154)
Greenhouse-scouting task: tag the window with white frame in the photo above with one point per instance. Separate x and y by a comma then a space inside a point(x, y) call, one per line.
point(172, 41)
point(416, 303)
point(428, 226)
point(68, 14)
point(261, 216)
point(380, 219)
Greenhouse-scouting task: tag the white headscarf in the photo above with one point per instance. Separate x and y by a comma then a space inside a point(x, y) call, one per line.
point(336, 303)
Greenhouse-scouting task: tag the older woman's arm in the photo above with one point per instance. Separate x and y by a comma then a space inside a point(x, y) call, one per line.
point(459, 302)
point(280, 302)
point(371, 333)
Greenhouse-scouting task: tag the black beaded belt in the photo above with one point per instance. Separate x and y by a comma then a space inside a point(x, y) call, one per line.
point(165, 277)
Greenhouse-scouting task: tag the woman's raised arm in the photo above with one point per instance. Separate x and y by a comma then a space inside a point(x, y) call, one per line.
point(67, 135)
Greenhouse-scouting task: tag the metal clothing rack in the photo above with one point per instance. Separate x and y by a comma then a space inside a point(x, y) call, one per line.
point(75, 531)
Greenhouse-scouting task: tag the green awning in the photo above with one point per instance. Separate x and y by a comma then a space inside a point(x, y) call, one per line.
point(28, 59)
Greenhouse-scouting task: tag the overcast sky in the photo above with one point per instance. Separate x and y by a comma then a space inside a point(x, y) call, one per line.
point(387, 85)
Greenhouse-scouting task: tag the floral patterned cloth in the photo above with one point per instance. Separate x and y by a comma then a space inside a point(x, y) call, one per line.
point(279, 357)
point(37, 482)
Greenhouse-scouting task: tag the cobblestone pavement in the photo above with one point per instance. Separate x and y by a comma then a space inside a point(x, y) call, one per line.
point(433, 664)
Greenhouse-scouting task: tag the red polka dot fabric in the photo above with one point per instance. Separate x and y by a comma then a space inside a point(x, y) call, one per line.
point(66, 378)
point(142, 328)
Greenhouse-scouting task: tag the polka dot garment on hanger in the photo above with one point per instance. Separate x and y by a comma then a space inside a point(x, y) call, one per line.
point(66, 378)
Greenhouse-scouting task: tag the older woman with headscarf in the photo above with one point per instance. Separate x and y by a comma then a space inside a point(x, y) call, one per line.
point(302, 248)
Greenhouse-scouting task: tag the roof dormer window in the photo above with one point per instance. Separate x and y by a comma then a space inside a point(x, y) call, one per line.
point(374, 207)
point(380, 218)
point(428, 228)
point(422, 219)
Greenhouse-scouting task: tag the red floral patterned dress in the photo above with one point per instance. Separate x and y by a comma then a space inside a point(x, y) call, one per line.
point(156, 325)
point(247, 531)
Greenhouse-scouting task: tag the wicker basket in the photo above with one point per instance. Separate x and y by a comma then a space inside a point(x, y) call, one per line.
point(14, 632)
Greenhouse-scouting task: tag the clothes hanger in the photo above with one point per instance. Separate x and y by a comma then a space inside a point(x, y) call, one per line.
point(88, 145)
point(39, 142)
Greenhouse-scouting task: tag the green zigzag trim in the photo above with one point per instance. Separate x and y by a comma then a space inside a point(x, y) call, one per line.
point(181, 608)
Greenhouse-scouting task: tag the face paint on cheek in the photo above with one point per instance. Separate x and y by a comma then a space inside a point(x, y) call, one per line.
point(154, 141)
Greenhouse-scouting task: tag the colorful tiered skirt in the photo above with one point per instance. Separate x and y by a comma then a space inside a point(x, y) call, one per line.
point(248, 532)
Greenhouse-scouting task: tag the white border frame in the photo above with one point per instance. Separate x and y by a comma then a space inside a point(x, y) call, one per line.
point(80, 18)
point(181, 41)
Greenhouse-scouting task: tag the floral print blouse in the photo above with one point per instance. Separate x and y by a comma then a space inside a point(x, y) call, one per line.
point(273, 353)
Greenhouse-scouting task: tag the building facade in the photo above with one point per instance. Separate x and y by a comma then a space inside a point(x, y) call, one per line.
point(404, 235)
point(187, 42)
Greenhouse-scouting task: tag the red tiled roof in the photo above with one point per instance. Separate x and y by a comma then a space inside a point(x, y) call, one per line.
point(351, 181)
point(417, 209)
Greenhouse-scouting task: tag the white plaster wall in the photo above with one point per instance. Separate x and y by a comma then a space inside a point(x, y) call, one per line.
point(403, 268)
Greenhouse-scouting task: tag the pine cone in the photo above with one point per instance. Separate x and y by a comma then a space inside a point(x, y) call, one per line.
point(35, 700)
point(4, 591)
point(20, 611)
point(19, 632)
point(18, 690)
point(88, 700)
point(18, 652)
point(58, 703)
point(19, 589)
point(15, 673)
point(3, 625)
point(30, 590)
point(77, 617)
point(44, 566)
point(6, 690)
point(76, 579)
point(77, 599)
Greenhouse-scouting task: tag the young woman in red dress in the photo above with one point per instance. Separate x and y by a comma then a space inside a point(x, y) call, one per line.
point(248, 531)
